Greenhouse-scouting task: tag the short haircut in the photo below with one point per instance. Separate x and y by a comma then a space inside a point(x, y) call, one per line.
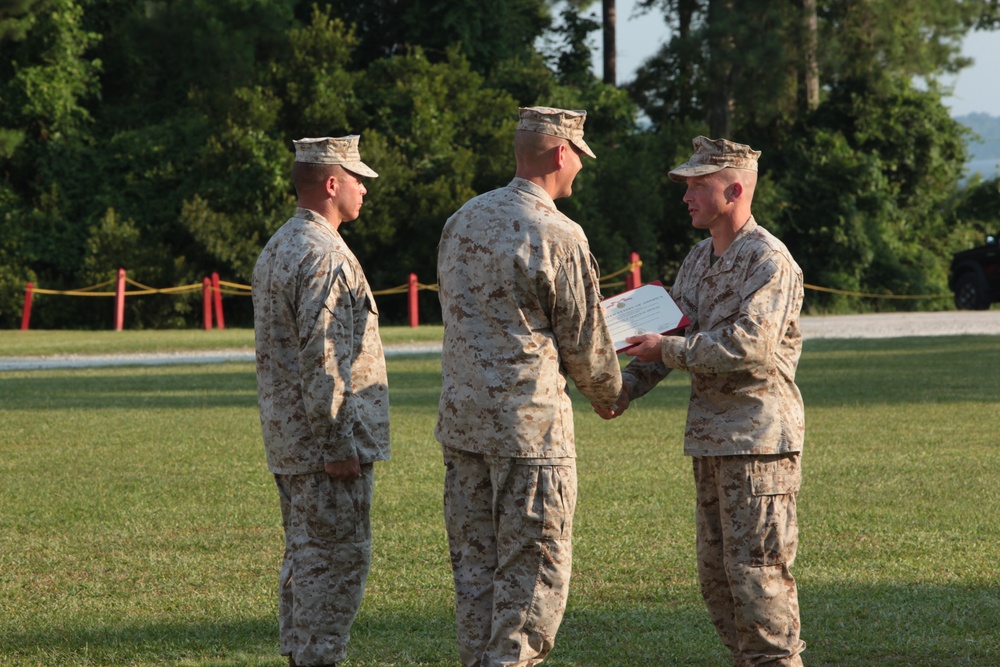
point(530, 146)
point(308, 176)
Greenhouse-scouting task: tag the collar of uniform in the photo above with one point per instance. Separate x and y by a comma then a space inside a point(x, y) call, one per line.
point(309, 214)
point(726, 260)
point(741, 235)
point(531, 188)
point(745, 230)
point(313, 216)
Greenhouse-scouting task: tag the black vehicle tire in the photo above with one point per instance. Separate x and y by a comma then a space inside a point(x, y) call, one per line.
point(972, 292)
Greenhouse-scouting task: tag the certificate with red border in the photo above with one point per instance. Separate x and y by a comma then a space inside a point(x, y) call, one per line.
point(645, 309)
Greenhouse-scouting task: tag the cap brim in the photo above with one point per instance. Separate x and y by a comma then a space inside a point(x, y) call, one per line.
point(688, 170)
point(360, 169)
point(582, 145)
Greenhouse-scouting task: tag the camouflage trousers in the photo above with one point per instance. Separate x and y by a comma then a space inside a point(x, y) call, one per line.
point(747, 536)
point(328, 550)
point(510, 525)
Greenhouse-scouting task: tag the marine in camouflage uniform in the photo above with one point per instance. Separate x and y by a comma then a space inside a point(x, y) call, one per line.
point(742, 291)
point(323, 397)
point(519, 296)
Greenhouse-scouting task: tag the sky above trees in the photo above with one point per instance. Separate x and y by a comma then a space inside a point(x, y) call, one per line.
point(640, 35)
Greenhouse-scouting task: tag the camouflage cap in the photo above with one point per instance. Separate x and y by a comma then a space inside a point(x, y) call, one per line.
point(556, 122)
point(712, 155)
point(334, 150)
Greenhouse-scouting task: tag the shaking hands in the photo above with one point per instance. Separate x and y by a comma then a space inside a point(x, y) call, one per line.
point(645, 348)
point(620, 406)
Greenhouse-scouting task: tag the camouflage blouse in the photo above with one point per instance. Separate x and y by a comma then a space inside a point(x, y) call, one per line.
point(741, 348)
point(321, 379)
point(521, 307)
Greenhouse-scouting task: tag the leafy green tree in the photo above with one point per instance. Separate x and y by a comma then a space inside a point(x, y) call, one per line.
point(438, 135)
point(864, 188)
point(157, 135)
point(856, 181)
point(46, 80)
point(486, 34)
point(739, 65)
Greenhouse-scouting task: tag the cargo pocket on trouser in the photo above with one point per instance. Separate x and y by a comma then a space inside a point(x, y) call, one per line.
point(535, 559)
point(774, 485)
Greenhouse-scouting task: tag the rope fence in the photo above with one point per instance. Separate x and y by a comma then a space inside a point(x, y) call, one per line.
point(213, 289)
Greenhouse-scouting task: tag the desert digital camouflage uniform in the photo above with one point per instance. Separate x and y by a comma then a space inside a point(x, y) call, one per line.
point(519, 291)
point(745, 431)
point(519, 295)
point(323, 397)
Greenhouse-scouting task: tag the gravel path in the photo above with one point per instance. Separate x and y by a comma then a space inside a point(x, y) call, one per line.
point(888, 325)
point(897, 325)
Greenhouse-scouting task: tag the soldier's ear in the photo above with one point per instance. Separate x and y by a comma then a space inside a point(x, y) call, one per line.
point(331, 185)
point(735, 192)
point(559, 155)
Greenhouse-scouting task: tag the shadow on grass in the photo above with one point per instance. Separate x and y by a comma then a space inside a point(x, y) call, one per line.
point(844, 626)
point(232, 643)
point(146, 388)
point(205, 386)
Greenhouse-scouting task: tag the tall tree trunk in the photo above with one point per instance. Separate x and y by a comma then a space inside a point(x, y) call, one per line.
point(610, 50)
point(721, 48)
point(685, 15)
point(809, 75)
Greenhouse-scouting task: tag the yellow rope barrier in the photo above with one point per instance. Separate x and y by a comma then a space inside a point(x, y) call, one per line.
point(399, 289)
point(240, 289)
point(877, 296)
point(146, 289)
point(39, 290)
point(238, 286)
point(621, 271)
point(143, 290)
point(93, 287)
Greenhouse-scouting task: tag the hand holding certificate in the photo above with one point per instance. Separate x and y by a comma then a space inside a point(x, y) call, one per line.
point(646, 309)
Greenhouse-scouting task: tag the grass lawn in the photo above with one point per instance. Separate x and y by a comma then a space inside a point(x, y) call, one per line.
point(139, 526)
point(15, 343)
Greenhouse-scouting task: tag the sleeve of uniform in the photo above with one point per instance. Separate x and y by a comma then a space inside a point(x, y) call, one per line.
point(586, 349)
point(326, 351)
point(639, 377)
point(750, 340)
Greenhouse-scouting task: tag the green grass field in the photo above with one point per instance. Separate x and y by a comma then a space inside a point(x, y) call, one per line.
point(139, 525)
point(34, 343)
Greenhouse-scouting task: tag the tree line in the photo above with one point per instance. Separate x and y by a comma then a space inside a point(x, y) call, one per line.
point(156, 135)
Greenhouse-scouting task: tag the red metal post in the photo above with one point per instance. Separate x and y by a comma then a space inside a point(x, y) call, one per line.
point(635, 273)
point(414, 314)
point(29, 290)
point(206, 303)
point(217, 294)
point(120, 300)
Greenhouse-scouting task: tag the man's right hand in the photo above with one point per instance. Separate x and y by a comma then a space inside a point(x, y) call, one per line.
point(345, 471)
point(645, 347)
point(620, 406)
